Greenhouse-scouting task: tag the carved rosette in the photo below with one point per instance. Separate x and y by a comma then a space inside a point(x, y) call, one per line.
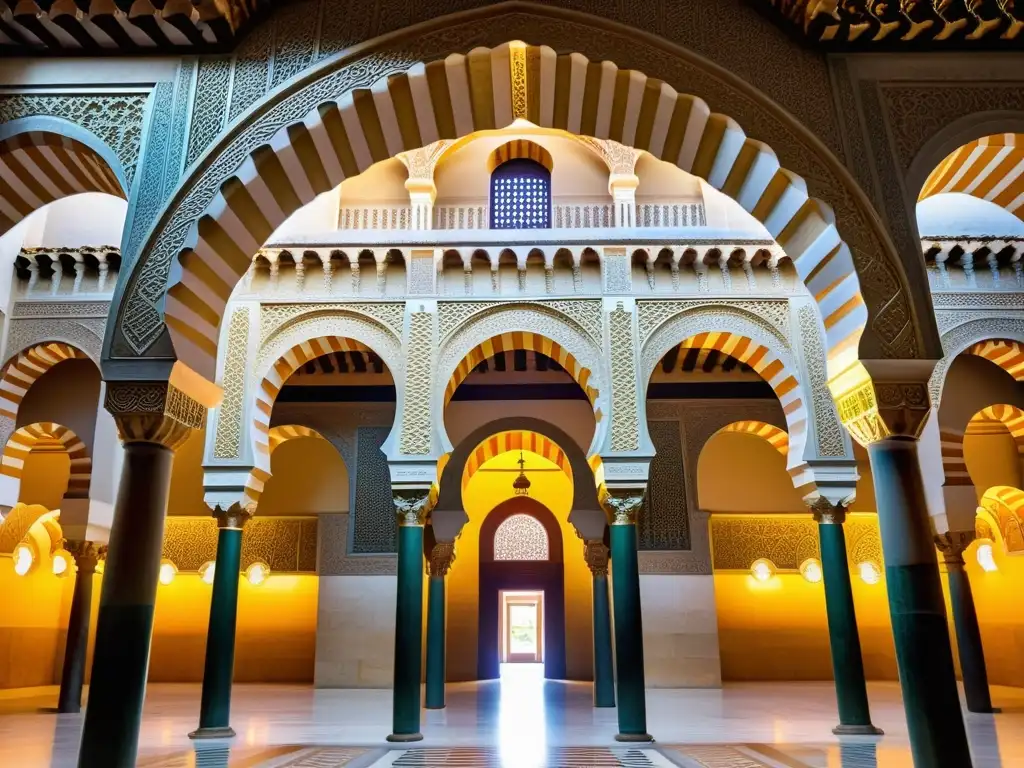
point(952, 546)
point(234, 517)
point(596, 555)
point(441, 558)
point(623, 505)
point(153, 412)
point(827, 513)
point(412, 505)
point(87, 554)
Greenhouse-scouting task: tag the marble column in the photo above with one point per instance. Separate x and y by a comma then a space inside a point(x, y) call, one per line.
point(87, 554)
point(924, 656)
point(965, 621)
point(844, 640)
point(218, 672)
point(622, 508)
point(412, 508)
point(596, 554)
point(442, 555)
point(153, 420)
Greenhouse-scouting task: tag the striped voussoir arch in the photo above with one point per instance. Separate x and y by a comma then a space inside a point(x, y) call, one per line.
point(520, 149)
point(990, 168)
point(485, 90)
point(518, 440)
point(1008, 355)
point(25, 369)
point(523, 340)
point(954, 468)
point(991, 420)
point(47, 436)
point(38, 167)
point(287, 432)
point(1007, 505)
point(801, 475)
point(768, 366)
point(267, 393)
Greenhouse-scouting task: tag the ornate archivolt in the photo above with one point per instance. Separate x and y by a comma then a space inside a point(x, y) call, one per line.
point(535, 327)
point(801, 474)
point(232, 206)
point(746, 338)
point(995, 337)
point(50, 437)
point(291, 347)
point(515, 440)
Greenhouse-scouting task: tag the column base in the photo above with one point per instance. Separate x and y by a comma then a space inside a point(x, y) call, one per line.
point(857, 730)
point(225, 732)
point(633, 737)
point(434, 706)
point(402, 738)
point(990, 711)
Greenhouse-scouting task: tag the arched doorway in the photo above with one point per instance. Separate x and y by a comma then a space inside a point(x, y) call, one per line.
point(521, 552)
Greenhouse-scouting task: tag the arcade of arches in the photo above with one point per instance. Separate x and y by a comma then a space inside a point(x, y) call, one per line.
point(538, 399)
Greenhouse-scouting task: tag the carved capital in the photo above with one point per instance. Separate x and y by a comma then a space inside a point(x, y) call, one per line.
point(86, 553)
point(596, 555)
point(412, 505)
point(441, 558)
point(827, 513)
point(952, 546)
point(234, 517)
point(875, 411)
point(153, 412)
point(622, 505)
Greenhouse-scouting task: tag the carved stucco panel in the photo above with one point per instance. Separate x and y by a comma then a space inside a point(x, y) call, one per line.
point(84, 333)
point(585, 312)
point(972, 327)
point(419, 383)
point(274, 316)
point(228, 442)
point(625, 417)
point(536, 318)
point(771, 314)
point(828, 430)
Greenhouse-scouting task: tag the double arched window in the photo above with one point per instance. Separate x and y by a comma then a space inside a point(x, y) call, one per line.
point(521, 195)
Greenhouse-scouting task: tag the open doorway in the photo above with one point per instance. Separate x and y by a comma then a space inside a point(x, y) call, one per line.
point(522, 627)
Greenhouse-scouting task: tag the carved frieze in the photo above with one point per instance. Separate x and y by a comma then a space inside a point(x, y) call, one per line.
point(286, 544)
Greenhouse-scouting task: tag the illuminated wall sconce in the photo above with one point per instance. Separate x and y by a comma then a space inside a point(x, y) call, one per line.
point(762, 569)
point(206, 571)
point(870, 573)
point(257, 573)
point(986, 557)
point(24, 558)
point(62, 563)
point(810, 569)
point(168, 571)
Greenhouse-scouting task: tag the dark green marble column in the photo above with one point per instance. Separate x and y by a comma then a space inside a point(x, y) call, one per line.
point(924, 656)
point(844, 640)
point(629, 635)
point(596, 554)
point(411, 506)
point(72, 676)
point(124, 623)
point(441, 556)
point(215, 707)
point(965, 622)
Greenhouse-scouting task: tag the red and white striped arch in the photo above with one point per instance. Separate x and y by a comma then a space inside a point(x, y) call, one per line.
point(462, 94)
point(45, 436)
point(26, 368)
point(519, 440)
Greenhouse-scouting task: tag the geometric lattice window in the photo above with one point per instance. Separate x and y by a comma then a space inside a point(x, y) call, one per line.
point(521, 537)
point(521, 195)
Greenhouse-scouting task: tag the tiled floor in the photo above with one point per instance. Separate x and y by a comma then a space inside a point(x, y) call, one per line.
point(521, 722)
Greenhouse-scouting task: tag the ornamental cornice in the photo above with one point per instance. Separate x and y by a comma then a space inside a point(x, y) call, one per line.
point(70, 309)
point(286, 544)
point(975, 300)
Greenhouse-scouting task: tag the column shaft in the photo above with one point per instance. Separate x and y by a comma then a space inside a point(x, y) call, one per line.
point(968, 640)
point(435, 643)
point(629, 638)
point(844, 641)
point(604, 669)
point(125, 619)
point(215, 708)
point(408, 635)
point(923, 653)
point(72, 674)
